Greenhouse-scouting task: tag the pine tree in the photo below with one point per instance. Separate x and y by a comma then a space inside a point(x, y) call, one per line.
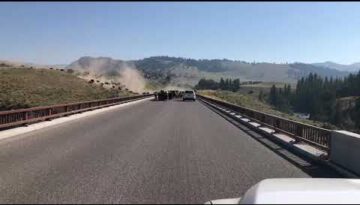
point(236, 85)
point(273, 96)
point(227, 84)
point(222, 84)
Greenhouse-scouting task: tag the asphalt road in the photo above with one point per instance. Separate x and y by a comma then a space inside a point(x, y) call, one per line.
point(151, 152)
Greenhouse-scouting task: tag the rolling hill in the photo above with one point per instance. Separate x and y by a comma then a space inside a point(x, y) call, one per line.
point(23, 87)
point(355, 67)
point(187, 72)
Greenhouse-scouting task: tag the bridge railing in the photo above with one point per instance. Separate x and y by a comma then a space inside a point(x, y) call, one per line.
point(316, 136)
point(17, 117)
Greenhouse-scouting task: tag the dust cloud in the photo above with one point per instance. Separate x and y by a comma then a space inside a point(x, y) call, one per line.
point(132, 79)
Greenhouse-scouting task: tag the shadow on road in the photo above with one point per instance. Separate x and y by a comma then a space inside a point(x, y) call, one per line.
point(310, 167)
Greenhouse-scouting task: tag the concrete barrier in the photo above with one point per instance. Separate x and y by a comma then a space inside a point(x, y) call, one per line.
point(345, 150)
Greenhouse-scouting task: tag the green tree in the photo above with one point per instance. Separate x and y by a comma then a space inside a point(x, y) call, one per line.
point(222, 84)
point(236, 85)
point(273, 95)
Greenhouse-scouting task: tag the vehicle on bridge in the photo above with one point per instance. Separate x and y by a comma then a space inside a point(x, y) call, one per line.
point(189, 95)
point(299, 191)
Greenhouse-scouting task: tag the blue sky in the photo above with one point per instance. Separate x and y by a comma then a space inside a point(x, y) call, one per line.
point(61, 32)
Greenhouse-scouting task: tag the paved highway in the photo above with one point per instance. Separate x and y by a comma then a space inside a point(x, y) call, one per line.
point(150, 152)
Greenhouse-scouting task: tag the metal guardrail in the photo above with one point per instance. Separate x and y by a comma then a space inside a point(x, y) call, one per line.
point(17, 117)
point(312, 135)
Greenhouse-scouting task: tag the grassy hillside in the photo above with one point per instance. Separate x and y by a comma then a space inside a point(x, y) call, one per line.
point(264, 87)
point(173, 68)
point(252, 102)
point(173, 71)
point(24, 87)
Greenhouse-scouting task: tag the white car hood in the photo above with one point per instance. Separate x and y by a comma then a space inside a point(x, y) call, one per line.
point(301, 191)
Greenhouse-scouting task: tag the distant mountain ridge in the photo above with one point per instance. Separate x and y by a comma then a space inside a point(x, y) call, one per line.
point(354, 67)
point(180, 71)
point(27, 64)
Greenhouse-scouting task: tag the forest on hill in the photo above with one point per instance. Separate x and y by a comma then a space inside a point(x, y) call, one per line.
point(326, 99)
point(334, 101)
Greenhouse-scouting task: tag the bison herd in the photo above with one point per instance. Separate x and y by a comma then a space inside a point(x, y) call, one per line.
point(163, 95)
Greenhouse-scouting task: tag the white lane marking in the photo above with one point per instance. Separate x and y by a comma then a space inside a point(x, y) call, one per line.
point(245, 119)
point(21, 130)
point(268, 130)
point(255, 124)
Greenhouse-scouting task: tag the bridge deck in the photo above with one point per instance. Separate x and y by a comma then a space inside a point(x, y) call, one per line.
point(161, 152)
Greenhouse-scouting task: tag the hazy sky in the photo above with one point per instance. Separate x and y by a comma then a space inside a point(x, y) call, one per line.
point(59, 33)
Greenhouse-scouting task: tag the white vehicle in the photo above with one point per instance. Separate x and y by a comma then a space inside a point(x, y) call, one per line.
point(299, 191)
point(189, 95)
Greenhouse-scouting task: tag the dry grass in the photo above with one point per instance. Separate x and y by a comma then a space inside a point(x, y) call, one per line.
point(252, 102)
point(24, 87)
